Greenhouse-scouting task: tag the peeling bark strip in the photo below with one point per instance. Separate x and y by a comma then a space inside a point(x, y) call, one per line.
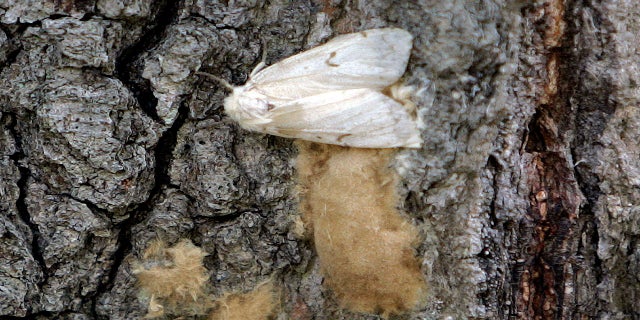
point(547, 281)
point(575, 105)
point(365, 246)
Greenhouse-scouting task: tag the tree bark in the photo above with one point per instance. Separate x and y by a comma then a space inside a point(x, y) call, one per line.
point(525, 192)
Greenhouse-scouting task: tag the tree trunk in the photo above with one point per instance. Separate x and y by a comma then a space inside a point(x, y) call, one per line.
point(524, 196)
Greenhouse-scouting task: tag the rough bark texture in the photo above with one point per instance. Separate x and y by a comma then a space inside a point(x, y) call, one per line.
point(525, 193)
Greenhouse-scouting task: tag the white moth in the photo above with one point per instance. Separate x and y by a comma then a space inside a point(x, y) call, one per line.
point(333, 93)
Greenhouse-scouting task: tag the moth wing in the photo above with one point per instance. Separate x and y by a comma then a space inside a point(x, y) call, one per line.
point(372, 59)
point(360, 118)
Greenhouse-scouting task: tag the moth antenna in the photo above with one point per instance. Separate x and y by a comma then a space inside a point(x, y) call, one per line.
point(263, 60)
point(224, 82)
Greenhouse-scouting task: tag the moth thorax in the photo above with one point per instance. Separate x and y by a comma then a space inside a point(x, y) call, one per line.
point(248, 108)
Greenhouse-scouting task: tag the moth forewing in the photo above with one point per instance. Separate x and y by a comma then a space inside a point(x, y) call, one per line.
point(332, 93)
point(372, 59)
point(356, 117)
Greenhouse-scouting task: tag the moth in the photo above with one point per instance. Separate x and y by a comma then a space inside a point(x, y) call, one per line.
point(333, 93)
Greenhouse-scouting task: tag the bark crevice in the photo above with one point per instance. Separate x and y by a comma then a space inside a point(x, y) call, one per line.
point(129, 62)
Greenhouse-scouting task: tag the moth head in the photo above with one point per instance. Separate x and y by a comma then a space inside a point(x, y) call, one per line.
point(248, 107)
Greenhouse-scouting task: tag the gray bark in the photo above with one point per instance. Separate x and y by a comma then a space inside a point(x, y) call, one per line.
point(525, 192)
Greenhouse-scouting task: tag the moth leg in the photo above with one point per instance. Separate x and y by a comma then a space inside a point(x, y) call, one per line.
point(257, 69)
